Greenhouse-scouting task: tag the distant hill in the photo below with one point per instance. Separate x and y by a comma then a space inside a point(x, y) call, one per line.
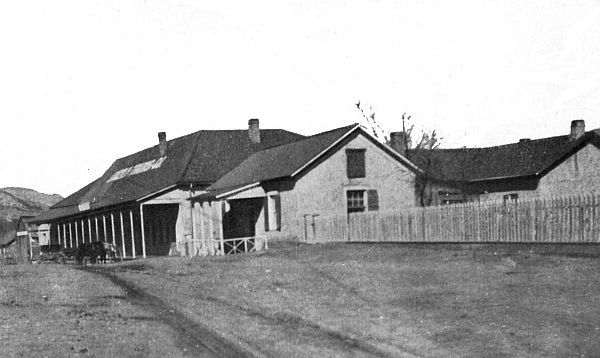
point(16, 202)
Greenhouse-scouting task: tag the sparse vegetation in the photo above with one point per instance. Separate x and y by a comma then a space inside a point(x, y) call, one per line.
point(366, 300)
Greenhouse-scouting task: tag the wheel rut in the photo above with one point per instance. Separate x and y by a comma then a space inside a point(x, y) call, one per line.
point(195, 339)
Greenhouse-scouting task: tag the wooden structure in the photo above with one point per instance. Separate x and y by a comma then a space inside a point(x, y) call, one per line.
point(141, 202)
point(573, 219)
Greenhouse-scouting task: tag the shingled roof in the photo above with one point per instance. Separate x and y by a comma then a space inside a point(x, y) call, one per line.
point(287, 160)
point(522, 159)
point(199, 158)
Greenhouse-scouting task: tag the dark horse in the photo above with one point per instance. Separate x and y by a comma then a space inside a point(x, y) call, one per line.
point(96, 252)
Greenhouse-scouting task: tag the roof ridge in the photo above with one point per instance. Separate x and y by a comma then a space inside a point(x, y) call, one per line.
point(198, 132)
point(496, 146)
point(306, 138)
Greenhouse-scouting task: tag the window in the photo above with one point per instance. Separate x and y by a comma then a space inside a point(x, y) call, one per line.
point(451, 197)
point(356, 201)
point(355, 163)
point(510, 198)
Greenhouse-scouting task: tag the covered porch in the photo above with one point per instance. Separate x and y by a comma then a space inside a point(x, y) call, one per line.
point(229, 222)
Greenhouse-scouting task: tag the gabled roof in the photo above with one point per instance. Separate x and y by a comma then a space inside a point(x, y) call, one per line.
point(522, 159)
point(289, 160)
point(199, 158)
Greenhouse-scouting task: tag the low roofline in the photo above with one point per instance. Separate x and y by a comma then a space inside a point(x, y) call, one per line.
point(237, 190)
point(219, 194)
point(158, 192)
point(501, 178)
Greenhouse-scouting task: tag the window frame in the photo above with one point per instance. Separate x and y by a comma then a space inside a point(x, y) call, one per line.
point(351, 208)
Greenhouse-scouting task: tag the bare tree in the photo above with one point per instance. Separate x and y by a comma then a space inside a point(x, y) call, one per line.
point(424, 182)
point(427, 140)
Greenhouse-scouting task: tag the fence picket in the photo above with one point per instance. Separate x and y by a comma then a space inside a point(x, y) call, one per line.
point(571, 219)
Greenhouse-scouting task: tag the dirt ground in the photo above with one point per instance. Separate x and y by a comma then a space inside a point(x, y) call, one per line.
point(338, 300)
point(61, 311)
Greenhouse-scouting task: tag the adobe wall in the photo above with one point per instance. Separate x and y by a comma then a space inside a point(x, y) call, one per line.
point(579, 174)
point(322, 190)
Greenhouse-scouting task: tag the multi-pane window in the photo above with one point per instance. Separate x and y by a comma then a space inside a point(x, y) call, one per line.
point(356, 201)
point(510, 198)
point(355, 163)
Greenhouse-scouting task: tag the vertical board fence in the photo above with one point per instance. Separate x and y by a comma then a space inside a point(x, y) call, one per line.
point(574, 219)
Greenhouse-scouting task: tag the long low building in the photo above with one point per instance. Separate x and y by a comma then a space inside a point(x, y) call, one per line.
point(189, 194)
point(140, 203)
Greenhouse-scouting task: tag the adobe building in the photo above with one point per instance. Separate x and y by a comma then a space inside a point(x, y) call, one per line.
point(190, 194)
point(141, 202)
point(277, 192)
point(531, 168)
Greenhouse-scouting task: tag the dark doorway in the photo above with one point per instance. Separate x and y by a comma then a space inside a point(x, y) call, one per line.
point(240, 220)
point(159, 224)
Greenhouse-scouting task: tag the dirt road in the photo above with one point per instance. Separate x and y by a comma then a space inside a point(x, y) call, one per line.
point(66, 311)
point(193, 338)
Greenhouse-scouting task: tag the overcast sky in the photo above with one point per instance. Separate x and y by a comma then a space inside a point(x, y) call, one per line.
point(85, 82)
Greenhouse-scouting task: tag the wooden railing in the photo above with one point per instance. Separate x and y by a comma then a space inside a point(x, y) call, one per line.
point(216, 247)
point(241, 245)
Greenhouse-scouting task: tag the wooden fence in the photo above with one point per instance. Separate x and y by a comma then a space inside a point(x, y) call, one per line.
point(573, 219)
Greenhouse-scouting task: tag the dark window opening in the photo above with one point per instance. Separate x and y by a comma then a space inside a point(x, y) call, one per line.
point(355, 163)
point(451, 197)
point(510, 198)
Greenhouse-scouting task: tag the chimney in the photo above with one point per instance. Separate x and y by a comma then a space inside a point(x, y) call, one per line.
point(162, 143)
point(254, 130)
point(400, 142)
point(577, 129)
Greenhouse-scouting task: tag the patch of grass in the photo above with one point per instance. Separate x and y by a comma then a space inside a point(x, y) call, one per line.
point(390, 299)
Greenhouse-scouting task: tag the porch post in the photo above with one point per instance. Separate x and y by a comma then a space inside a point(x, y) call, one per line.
point(200, 227)
point(122, 234)
point(65, 235)
point(70, 236)
point(76, 234)
point(58, 227)
point(30, 244)
point(202, 222)
point(96, 221)
point(194, 250)
point(220, 224)
point(90, 229)
point(143, 234)
point(112, 227)
point(104, 226)
point(132, 234)
point(211, 227)
point(82, 232)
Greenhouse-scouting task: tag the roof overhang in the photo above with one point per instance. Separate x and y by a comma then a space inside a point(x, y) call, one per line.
point(225, 193)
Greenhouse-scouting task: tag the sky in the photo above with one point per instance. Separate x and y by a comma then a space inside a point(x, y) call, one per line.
point(83, 83)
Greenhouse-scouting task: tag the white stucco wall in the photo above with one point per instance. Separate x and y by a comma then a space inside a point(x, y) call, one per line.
point(579, 174)
point(322, 190)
